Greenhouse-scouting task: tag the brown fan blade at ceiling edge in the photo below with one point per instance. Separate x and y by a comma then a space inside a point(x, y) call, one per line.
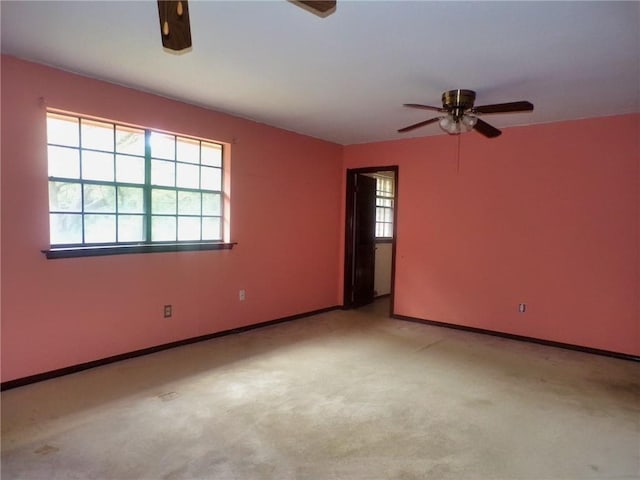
point(174, 24)
point(418, 125)
point(424, 107)
point(505, 107)
point(321, 8)
point(485, 129)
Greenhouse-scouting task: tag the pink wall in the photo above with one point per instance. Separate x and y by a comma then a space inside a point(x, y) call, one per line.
point(55, 313)
point(546, 215)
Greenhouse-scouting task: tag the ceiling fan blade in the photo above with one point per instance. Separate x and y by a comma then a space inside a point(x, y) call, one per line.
point(485, 129)
point(505, 107)
point(424, 107)
point(418, 125)
point(321, 8)
point(174, 24)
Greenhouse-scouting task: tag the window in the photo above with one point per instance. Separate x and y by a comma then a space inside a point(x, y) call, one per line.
point(116, 185)
point(384, 206)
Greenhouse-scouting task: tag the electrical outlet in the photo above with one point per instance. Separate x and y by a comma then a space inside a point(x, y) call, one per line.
point(242, 295)
point(167, 311)
point(522, 307)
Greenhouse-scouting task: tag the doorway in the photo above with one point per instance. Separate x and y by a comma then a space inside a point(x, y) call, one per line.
point(370, 235)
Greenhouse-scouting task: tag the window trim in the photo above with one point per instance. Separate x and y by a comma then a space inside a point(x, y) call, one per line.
point(143, 246)
point(384, 239)
point(102, 250)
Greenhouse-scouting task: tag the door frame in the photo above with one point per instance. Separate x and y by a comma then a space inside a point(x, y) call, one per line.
point(350, 231)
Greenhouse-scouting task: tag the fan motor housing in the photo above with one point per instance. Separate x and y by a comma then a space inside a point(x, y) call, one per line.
point(458, 101)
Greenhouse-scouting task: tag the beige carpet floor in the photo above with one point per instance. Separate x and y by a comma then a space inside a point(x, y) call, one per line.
point(341, 395)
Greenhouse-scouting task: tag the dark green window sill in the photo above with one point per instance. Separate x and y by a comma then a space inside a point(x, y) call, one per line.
point(74, 252)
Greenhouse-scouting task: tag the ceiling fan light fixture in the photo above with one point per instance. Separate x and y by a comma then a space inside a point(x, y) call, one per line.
point(450, 125)
point(456, 125)
point(469, 121)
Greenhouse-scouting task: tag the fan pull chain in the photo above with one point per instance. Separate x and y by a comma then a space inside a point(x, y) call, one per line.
point(179, 9)
point(458, 154)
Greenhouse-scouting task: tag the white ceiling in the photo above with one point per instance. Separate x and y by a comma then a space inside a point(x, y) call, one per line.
point(344, 78)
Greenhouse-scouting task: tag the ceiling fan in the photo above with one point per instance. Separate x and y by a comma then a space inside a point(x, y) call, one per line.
point(461, 116)
point(176, 30)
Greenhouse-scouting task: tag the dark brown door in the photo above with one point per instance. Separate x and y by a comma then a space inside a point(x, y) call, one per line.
point(364, 251)
point(360, 247)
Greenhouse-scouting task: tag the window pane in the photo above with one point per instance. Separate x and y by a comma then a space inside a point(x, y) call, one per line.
point(99, 228)
point(384, 203)
point(97, 135)
point(163, 173)
point(211, 228)
point(188, 176)
point(66, 197)
point(188, 150)
point(211, 154)
point(211, 204)
point(65, 228)
point(163, 229)
point(388, 230)
point(97, 166)
point(188, 228)
point(129, 169)
point(189, 203)
point(64, 162)
point(163, 146)
point(99, 198)
point(384, 186)
point(211, 178)
point(130, 228)
point(130, 200)
point(163, 201)
point(62, 130)
point(129, 140)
